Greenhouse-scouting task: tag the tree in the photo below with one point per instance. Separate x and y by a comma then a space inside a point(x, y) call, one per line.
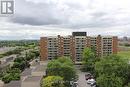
point(109, 81)
point(30, 56)
point(53, 68)
point(88, 60)
point(113, 65)
point(52, 81)
point(36, 52)
point(19, 59)
point(128, 85)
point(21, 65)
point(65, 60)
point(93, 49)
point(7, 78)
point(87, 54)
point(11, 74)
point(63, 67)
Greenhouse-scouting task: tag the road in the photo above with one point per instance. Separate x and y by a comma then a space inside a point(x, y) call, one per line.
point(81, 81)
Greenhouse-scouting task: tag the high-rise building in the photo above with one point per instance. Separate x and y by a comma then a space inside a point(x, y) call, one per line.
point(73, 45)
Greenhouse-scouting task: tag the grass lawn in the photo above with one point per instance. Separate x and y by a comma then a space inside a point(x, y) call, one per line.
point(124, 54)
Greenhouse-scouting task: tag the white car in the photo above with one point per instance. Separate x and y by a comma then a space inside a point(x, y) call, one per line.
point(91, 82)
point(75, 84)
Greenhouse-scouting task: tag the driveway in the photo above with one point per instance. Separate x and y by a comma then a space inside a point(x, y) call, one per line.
point(81, 81)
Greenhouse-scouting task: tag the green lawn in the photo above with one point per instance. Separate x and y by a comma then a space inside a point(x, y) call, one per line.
point(124, 54)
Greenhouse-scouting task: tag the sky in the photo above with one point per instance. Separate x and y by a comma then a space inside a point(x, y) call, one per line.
point(35, 18)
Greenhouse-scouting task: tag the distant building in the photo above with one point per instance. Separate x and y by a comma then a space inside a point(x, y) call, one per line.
point(125, 38)
point(73, 45)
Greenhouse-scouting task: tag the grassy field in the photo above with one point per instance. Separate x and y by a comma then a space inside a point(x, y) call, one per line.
point(124, 54)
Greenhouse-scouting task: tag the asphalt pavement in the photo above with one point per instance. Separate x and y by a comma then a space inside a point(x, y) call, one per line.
point(81, 81)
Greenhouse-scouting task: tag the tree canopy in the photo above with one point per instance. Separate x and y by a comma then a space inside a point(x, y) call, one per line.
point(109, 81)
point(63, 67)
point(52, 81)
point(89, 60)
point(113, 69)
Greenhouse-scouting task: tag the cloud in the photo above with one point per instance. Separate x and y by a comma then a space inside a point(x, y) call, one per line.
point(34, 21)
point(74, 13)
point(35, 32)
point(36, 13)
point(34, 18)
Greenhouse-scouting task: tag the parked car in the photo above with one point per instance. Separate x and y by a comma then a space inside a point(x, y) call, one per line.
point(75, 84)
point(88, 76)
point(91, 82)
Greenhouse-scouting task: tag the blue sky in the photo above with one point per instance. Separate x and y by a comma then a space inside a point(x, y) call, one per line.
point(36, 18)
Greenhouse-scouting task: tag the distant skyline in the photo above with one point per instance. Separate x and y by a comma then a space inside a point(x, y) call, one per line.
point(36, 18)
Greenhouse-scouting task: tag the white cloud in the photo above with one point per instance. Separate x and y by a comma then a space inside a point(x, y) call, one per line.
point(34, 18)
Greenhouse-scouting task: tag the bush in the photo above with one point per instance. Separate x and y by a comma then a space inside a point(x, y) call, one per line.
point(52, 81)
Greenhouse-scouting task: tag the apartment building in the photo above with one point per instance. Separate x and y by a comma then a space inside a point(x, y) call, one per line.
point(73, 45)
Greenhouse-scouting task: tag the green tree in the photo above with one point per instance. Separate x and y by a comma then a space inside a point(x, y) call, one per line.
point(36, 52)
point(89, 60)
point(113, 65)
point(109, 81)
point(22, 65)
point(128, 85)
point(30, 56)
point(7, 78)
point(65, 60)
point(53, 67)
point(11, 74)
point(63, 67)
point(52, 81)
point(19, 59)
